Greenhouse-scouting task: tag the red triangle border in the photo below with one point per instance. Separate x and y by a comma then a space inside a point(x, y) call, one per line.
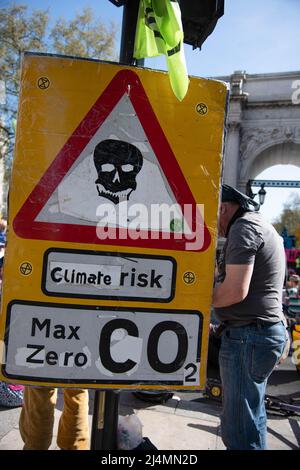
point(24, 223)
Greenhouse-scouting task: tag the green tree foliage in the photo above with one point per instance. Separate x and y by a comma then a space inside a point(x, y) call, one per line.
point(82, 36)
point(290, 217)
point(18, 32)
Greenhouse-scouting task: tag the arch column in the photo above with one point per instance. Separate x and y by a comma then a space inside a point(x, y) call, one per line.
point(232, 157)
point(233, 139)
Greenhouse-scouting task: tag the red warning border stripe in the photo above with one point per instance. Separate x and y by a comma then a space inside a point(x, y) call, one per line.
point(24, 223)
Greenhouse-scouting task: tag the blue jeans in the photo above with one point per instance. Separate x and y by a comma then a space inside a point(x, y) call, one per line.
point(247, 357)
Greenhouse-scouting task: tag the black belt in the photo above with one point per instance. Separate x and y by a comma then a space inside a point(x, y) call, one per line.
point(257, 322)
point(223, 326)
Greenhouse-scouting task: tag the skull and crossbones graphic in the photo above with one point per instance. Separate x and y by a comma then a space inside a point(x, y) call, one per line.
point(117, 164)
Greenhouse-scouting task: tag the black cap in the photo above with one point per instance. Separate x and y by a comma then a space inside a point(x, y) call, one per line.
point(230, 194)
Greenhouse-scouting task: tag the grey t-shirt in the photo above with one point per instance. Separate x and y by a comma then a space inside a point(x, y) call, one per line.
point(253, 240)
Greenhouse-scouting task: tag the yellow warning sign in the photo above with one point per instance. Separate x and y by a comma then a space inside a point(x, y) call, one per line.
point(110, 255)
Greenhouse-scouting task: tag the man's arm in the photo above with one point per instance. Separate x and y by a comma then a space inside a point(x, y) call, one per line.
point(235, 286)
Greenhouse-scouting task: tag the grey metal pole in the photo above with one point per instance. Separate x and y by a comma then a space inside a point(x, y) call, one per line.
point(130, 15)
point(98, 421)
point(105, 421)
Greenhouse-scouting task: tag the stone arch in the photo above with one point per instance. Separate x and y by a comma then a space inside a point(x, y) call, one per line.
point(265, 148)
point(287, 153)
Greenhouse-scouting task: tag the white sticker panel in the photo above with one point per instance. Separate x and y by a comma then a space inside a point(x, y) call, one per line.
point(71, 273)
point(80, 344)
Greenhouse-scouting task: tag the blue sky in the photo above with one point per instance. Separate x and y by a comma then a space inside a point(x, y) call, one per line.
point(275, 198)
point(258, 36)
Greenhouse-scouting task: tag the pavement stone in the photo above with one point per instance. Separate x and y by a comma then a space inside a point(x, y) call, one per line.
point(178, 424)
point(169, 432)
point(283, 434)
point(9, 418)
point(11, 441)
point(198, 410)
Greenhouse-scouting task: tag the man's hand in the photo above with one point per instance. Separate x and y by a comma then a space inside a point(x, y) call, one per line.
point(235, 287)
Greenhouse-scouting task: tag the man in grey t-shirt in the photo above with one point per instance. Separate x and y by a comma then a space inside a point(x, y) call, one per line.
point(255, 243)
point(247, 300)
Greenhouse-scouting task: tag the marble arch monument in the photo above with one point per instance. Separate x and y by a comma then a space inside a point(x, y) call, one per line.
point(263, 124)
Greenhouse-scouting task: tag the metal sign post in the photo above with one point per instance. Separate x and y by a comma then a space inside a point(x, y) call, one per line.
point(105, 421)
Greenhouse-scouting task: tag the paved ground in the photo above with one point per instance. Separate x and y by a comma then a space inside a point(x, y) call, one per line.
point(188, 421)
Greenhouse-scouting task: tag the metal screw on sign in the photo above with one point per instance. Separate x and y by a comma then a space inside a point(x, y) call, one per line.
point(43, 83)
point(201, 108)
point(216, 391)
point(26, 269)
point(189, 277)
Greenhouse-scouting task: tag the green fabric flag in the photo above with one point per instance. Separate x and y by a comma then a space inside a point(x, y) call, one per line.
point(159, 31)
